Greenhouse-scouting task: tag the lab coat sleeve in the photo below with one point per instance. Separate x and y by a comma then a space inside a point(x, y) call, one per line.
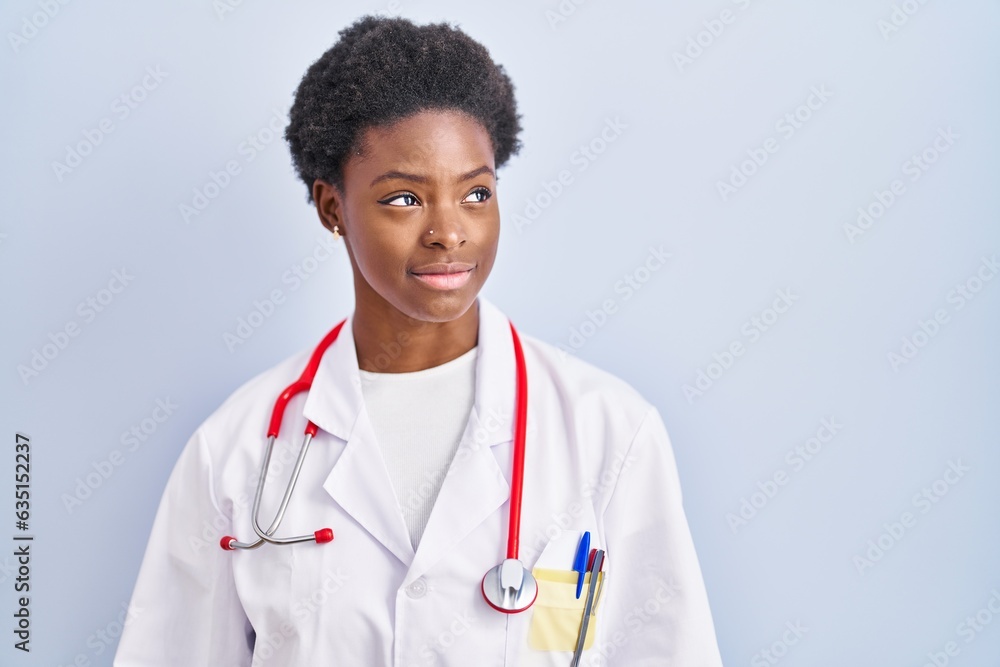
point(184, 609)
point(656, 611)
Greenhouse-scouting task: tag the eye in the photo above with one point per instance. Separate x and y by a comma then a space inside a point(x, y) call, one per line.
point(478, 195)
point(403, 199)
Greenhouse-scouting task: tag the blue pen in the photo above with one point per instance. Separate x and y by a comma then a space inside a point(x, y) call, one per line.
point(580, 562)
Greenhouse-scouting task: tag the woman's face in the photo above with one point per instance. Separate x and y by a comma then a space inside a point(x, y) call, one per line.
point(421, 194)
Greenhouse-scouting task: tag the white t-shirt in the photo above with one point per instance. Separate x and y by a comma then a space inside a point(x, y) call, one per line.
point(419, 418)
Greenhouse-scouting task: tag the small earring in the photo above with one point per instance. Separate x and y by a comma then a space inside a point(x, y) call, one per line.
point(336, 232)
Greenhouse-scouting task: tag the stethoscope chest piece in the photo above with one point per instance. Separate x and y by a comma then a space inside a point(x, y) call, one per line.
point(510, 587)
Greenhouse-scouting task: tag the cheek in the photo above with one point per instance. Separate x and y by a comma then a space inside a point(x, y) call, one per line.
point(379, 252)
point(490, 240)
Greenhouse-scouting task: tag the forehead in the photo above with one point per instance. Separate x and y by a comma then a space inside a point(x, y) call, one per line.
point(440, 141)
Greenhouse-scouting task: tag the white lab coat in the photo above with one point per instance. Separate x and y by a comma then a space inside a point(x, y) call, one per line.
point(598, 458)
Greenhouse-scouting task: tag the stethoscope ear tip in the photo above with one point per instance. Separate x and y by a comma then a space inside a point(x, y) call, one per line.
point(227, 542)
point(324, 535)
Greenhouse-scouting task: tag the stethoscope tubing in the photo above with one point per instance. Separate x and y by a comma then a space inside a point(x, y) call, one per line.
point(509, 587)
point(303, 383)
point(517, 464)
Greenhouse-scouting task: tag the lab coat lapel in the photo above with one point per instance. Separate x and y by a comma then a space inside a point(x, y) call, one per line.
point(475, 485)
point(358, 482)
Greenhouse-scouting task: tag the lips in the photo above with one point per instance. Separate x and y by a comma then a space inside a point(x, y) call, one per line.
point(444, 276)
point(443, 268)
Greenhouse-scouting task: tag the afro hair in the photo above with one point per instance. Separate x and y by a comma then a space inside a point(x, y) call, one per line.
point(382, 70)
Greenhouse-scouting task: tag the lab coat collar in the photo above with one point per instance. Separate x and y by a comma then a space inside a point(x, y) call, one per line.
point(474, 486)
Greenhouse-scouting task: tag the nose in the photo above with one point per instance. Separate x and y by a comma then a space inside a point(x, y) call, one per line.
point(444, 231)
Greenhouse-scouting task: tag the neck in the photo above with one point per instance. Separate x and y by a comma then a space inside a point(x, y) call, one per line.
point(389, 341)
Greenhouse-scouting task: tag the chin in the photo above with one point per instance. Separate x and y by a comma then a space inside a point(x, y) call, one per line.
point(443, 307)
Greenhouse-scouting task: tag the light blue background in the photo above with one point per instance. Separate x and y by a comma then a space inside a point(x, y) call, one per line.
point(654, 185)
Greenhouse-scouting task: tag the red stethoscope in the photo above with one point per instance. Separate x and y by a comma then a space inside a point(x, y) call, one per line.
point(509, 587)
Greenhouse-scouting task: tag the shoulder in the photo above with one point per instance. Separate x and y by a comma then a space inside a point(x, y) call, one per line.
point(584, 387)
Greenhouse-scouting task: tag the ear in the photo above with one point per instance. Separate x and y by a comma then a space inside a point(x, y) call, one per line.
point(329, 205)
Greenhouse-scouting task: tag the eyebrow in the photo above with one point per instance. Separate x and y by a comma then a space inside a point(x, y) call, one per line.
point(423, 179)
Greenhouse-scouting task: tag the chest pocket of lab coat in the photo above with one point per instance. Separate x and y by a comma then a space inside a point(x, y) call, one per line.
point(547, 633)
point(556, 623)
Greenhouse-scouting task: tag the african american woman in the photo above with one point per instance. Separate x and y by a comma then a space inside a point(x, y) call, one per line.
point(469, 494)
